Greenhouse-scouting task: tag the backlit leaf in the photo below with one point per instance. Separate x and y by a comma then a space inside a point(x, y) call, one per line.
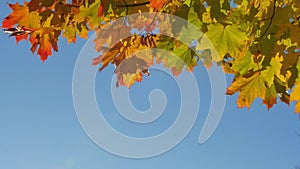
point(295, 96)
point(250, 88)
point(271, 96)
point(157, 4)
point(227, 39)
point(272, 70)
point(18, 13)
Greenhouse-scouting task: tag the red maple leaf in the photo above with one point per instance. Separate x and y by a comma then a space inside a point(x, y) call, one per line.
point(21, 37)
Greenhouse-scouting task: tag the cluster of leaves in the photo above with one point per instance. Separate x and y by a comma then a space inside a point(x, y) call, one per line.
point(256, 40)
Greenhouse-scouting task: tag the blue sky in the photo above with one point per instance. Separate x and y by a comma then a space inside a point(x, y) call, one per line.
point(39, 128)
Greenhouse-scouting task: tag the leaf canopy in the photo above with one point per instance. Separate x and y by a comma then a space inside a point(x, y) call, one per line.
point(256, 40)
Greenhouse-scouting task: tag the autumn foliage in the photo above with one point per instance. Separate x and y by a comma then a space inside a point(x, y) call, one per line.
point(256, 40)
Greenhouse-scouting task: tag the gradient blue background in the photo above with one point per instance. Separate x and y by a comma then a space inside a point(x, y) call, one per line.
point(39, 128)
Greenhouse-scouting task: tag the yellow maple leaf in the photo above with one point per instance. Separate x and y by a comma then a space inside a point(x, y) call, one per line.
point(295, 96)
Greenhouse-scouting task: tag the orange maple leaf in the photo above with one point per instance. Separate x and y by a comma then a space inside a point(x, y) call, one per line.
point(157, 4)
point(18, 13)
point(44, 41)
point(270, 97)
point(45, 49)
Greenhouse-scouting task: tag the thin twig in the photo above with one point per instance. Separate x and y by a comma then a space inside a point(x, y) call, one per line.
point(125, 6)
point(265, 19)
point(154, 18)
point(271, 20)
point(147, 27)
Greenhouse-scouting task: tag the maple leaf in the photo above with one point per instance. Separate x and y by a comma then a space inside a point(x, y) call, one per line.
point(245, 64)
point(27, 21)
point(71, 29)
point(89, 14)
point(146, 21)
point(272, 70)
point(131, 70)
point(109, 56)
point(21, 16)
point(137, 21)
point(206, 57)
point(129, 79)
point(110, 34)
point(176, 55)
point(44, 41)
point(21, 37)
point(82, 30)
point(157, 4)
point(193, 16)
point(295, 96)
point(270, 98)
point(70, 33)
point(259, 84)
point(45, 48)
point(18, 13)
point(187, 55)
point(250, 88)
point(227, 39)
point(128, 68)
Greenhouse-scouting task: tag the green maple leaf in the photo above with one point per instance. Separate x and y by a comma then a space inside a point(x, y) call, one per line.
point(227, 39)
point(193, 18)
point(272, 70)
point(186, 54)
point(245, 64)
point(175, 55)
point(89, 13)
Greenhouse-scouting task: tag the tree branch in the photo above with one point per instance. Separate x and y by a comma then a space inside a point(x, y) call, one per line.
point(271, 20)
point(132, 5)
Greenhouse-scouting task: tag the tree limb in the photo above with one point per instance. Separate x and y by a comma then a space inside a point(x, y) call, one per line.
point(132, 5)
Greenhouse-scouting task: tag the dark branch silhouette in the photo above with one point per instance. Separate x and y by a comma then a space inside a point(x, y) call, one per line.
point(132, 5)
point(271, 20)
